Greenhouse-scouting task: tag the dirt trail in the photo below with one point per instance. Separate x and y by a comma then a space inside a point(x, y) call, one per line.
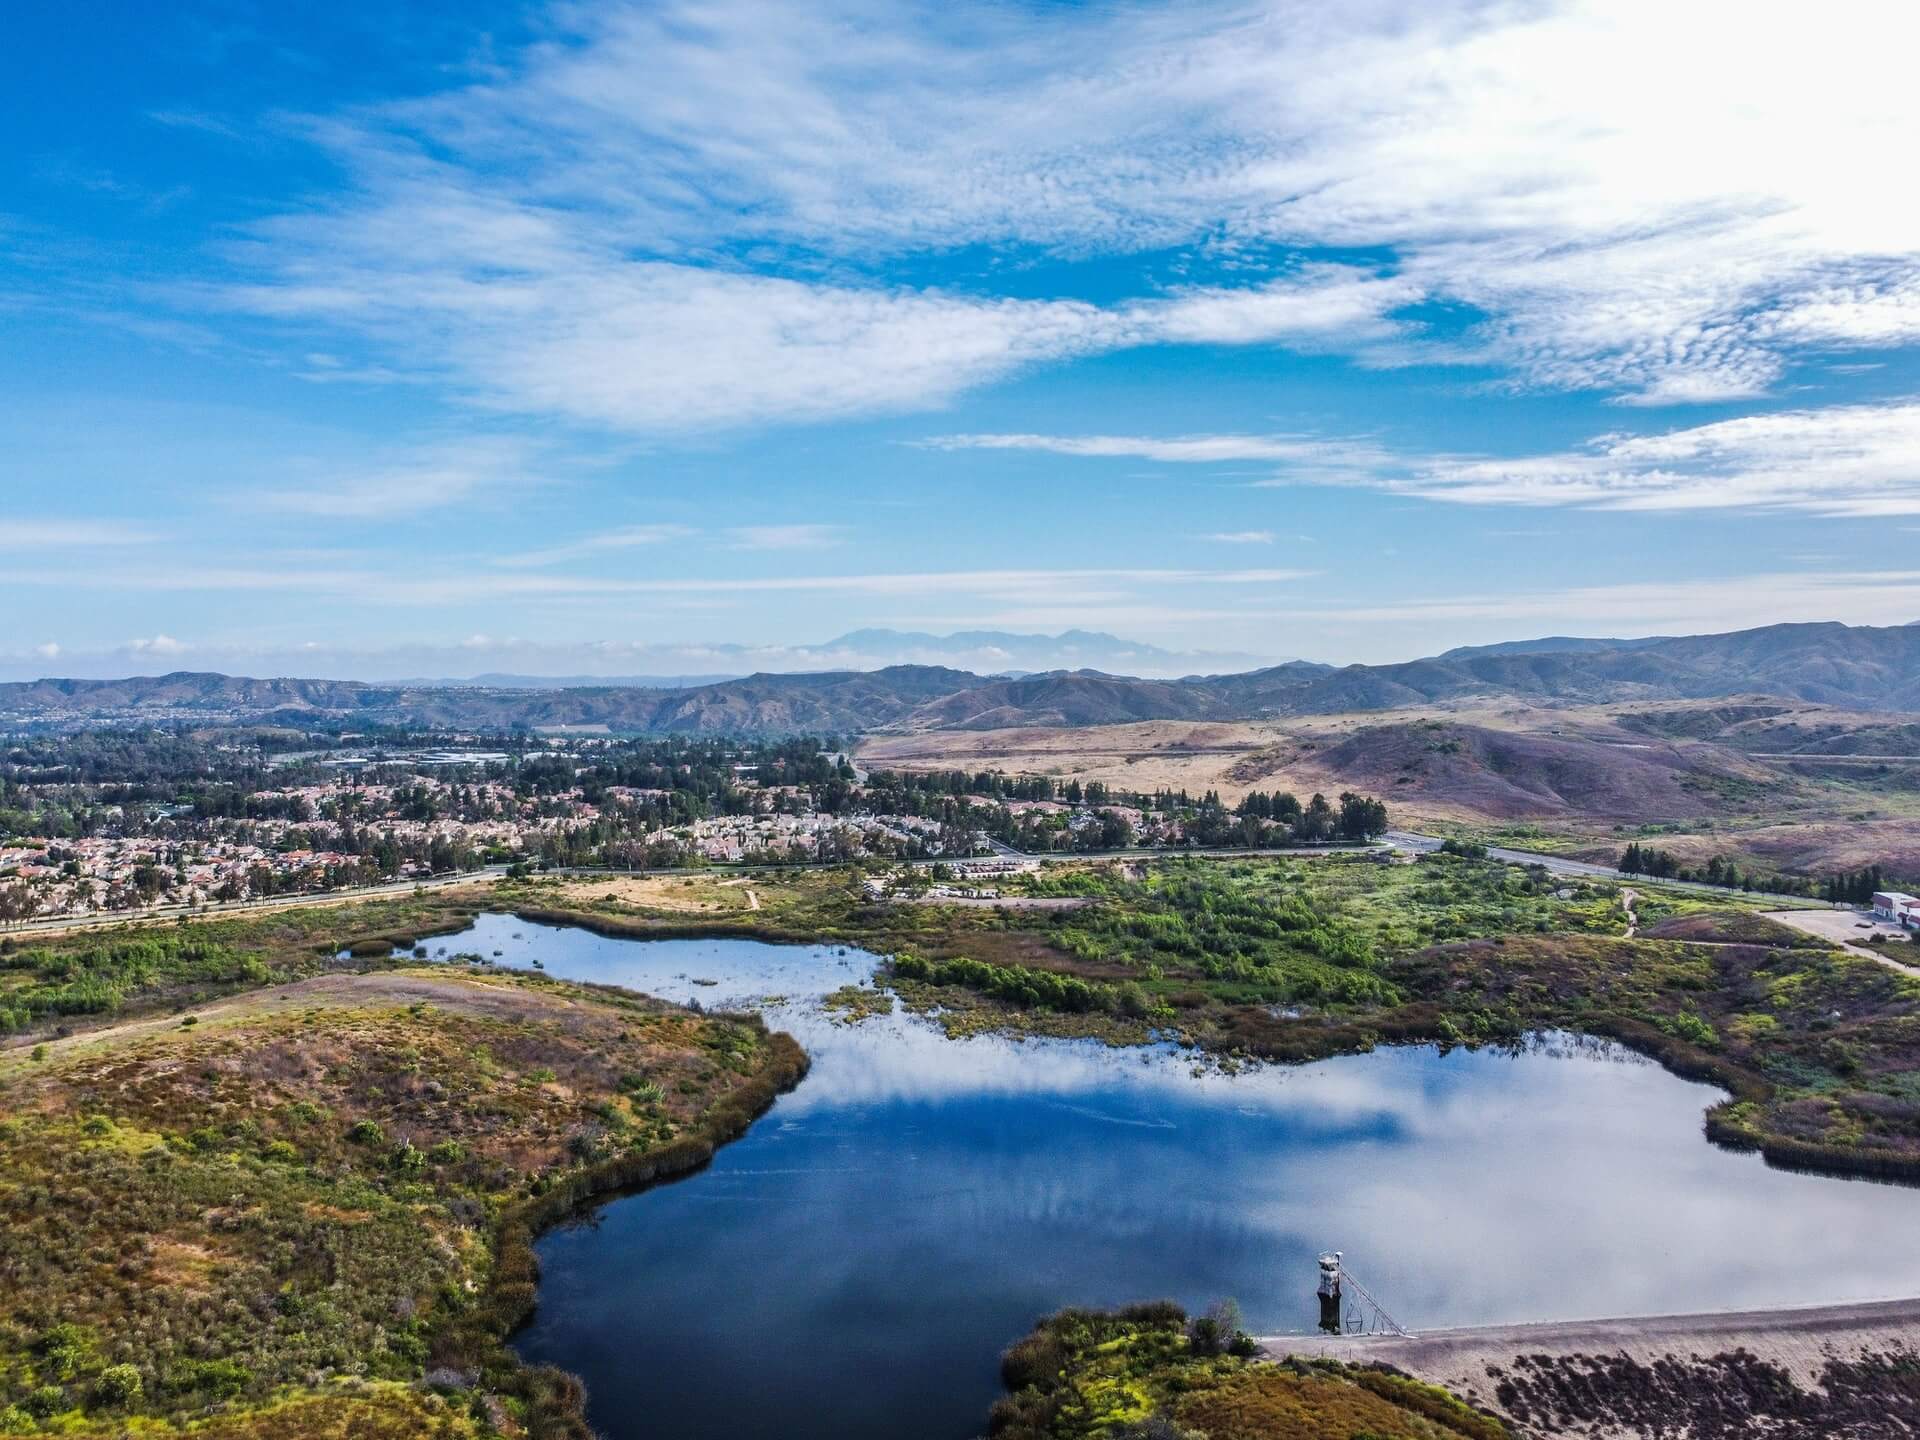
point(449, 989)
point(753, 901)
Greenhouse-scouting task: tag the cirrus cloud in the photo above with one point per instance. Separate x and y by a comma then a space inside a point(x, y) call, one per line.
point(680, 216)
point(1838, 460)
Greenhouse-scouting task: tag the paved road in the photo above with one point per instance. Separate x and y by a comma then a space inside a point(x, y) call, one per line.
point(1560, 865)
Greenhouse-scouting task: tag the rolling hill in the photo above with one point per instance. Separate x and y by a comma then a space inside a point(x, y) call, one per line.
point(1856, 667)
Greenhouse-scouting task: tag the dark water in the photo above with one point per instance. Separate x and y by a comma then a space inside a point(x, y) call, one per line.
point(852, 1267)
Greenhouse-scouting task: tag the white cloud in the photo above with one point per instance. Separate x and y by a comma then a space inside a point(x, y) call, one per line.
point(48, 651)
point(1851, 460)
point(625, 537)
point(655, 346)
point(16, 534)
point(156, 645)
point(408, 482)
point(1239, 537)
point(1841, 460)
point(683, 214)
point(454, 587)
point(1333, 460)
point(784, 537)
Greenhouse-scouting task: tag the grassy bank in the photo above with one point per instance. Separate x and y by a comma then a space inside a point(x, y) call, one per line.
point(1299, 958)
point(1151, 1373)
point(1295, 959)
point(307, 1210)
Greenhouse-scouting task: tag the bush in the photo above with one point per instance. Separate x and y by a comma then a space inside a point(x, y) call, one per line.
point(1218, 1331)
point(118, 1386)
point(1035, 1360)
point(367, 1132)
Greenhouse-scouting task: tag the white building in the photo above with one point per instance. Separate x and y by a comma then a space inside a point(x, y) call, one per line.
point(1895, 905)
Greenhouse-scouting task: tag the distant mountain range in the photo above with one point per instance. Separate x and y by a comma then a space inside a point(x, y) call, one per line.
point(1854, 666)
point(539, 665)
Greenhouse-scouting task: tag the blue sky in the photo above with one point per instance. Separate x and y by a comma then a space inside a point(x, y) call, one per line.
point(681, 338)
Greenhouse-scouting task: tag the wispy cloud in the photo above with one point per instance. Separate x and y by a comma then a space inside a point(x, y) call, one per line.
point(1239, 537)
point(1333, 459)
point(409, 482)
point(1852, 460)
point(785, 537)
point(1842, 460)
point(626, 537)
point(628, 228)
point(21, 534)
point(462, 586)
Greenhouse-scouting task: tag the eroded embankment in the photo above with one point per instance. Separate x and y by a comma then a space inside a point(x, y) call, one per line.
point(1796, 1374)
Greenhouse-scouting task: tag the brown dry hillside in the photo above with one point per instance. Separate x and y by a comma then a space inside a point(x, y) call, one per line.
point(1437, 765)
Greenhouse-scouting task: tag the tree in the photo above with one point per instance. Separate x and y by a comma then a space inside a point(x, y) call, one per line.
point(1317, 821)
point(1361, 818)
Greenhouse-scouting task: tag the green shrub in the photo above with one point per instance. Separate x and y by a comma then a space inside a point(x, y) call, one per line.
point(118, 1387)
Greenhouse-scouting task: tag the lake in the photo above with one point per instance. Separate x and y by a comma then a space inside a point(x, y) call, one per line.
point(853, 1266)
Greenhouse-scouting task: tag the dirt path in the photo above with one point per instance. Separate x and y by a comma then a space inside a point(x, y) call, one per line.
point(753, 901)
point(1799, 1341)
point(269, 906)
point(449, 989)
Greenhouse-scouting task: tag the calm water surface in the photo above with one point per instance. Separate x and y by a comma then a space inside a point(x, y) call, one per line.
point(853, 1266)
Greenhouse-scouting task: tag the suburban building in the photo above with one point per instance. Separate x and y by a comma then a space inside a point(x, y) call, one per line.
point(1897, 906)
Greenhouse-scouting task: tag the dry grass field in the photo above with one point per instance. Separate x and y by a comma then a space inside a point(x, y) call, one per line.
point(673, 894)
point(1772, 785)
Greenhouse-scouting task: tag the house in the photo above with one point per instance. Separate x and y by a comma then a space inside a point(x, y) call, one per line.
point(1894, 905)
